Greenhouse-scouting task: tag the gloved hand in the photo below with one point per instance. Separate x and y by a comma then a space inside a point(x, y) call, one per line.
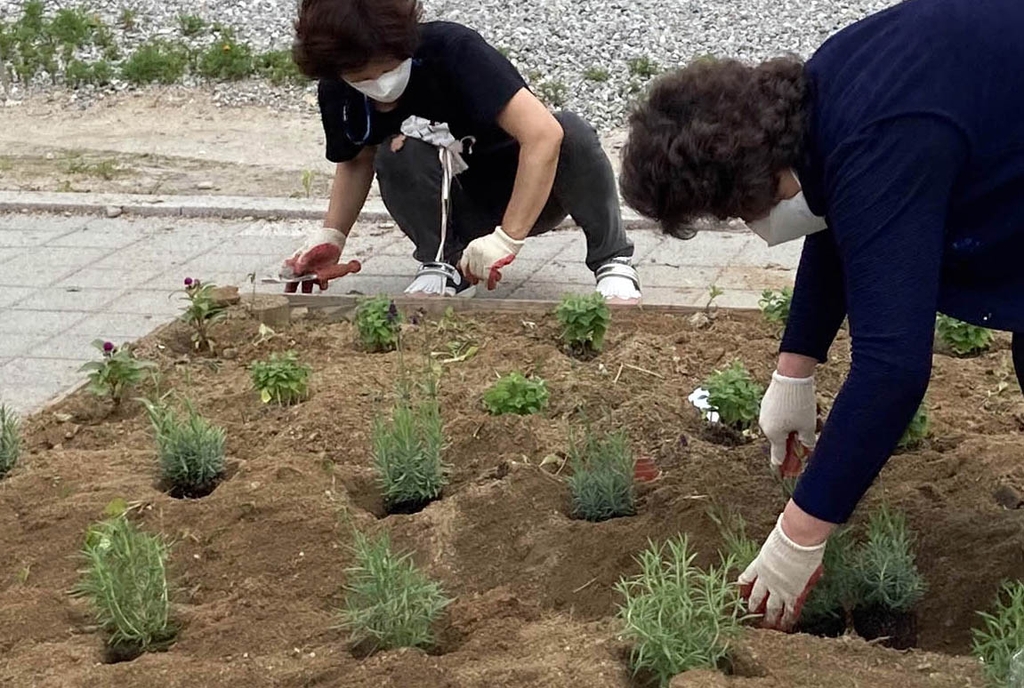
point(789, 406)
point(484, 258)
point(319, 254)
point(777, 582)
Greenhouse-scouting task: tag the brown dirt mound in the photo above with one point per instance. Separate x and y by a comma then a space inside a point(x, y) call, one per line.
point(259, 563)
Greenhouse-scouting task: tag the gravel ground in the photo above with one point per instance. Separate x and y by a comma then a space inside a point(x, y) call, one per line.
point(555, 43)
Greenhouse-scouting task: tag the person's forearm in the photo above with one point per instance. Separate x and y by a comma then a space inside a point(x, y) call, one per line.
point(538, 163)
point(352, 182)
point(796, 365)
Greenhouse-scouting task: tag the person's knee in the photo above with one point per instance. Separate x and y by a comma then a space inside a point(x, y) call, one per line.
point(576, 130)
point(402, 162)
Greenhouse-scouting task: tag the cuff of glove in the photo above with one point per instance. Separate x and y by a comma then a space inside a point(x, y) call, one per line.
point(324, 235)
point(793, 381)
point(789, 544)
point(513, 245)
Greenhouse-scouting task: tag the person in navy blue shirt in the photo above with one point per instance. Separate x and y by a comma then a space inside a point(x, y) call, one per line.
point(897, 150)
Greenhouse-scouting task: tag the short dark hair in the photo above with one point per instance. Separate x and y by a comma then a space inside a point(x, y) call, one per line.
point(710, 139)
point(336, 36)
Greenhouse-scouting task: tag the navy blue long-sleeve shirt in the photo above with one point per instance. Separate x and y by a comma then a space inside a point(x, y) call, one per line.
point(915, 157)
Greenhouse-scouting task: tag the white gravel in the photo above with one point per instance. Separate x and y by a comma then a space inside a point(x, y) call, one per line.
point(553, 42)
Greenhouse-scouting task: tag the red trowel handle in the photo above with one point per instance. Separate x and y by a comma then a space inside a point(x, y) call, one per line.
point(796, 455)
point(324, 276)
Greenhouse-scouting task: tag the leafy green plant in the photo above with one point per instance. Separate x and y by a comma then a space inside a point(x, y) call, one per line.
point(836, 589)
point(1001, 635)
point(227, 59)
point(735, 395)
point(379, 324)
point(78, 73)
point(643, 67)
point(584, 321)
point(189, 447)
point(389, 602)
point(278, 67)
point(597, 74)
point(117, 371)
point(962, 338)
point(10, 440)
point(917, 431)
point(518, 394)
point(775, 305)
point(677, 616)
point(884, 568)
point(191, 25)
point(125, 580)
point(602, 480)
point(281, 379)
point(714, 291)
point(202, 311)
point(407, 452)
point(156, 61)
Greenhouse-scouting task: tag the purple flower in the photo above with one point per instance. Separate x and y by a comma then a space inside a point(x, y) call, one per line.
point(188, 281)
point(108, 347)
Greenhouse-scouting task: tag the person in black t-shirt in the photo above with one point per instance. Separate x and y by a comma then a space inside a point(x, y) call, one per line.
point(437, 113)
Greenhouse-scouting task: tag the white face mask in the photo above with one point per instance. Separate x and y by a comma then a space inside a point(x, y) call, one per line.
point(790, 219)
point(388, 87)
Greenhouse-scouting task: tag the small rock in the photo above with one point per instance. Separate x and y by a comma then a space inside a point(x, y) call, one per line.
point(1008, 497)
point(63, 417)
point(204, 186)
point(114, 211)
point(699, 320)
point(225, 296)
point(229, 354)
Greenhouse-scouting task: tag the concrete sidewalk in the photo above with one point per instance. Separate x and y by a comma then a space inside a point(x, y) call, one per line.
point(65, 281)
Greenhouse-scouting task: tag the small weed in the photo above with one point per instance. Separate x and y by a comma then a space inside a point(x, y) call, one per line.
point(278, 67)
point(584, 321)
point(917, 431)
point(201, 312)
point(379, 323)
point(601, 483)
point(281, 379)
point(156, 62)
point(962, 338)
point(226, 59)
point(389, 602)
point(104, 169)
point(553, 92)
point(598, 74)
point(307, 182)
point(1001, 637)
point(78, 73)
point(190, 25)
point(735, 395)
point(714, 291)
point(128, 19)
point(125, 580)
point(190, 449)
point(677, 616)
point(407, 452)
point(775, 306)
point(643, 67)
point(740, 550)
point(10, 440)
point(117, 371)
point(516, 394)
point(884, 569)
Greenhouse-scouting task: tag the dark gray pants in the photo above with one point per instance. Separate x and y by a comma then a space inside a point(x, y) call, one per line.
point(584, 188)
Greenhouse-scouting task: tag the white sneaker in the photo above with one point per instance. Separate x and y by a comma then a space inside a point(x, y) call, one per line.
point(440, 279)
point(618, 281)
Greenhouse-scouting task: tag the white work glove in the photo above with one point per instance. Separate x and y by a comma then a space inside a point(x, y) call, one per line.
point(789, 406)
point(484, 258)
point(777, 582)
point(321, 250)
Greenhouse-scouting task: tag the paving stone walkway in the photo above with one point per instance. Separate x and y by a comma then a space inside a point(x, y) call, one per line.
point(65, 281)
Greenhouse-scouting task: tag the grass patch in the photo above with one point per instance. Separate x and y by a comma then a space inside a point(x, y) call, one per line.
point(10, 440)
point(602, 483)
point(191, 25)
point(597, 74)
point(226, 59)
point(278, 67)
point(156, 61)
point(642, 67)
point(999, 643)
point(553, 92)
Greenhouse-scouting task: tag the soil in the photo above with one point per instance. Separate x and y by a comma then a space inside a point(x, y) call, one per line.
point(894, 629)
point(830, 626)
point(258, 565)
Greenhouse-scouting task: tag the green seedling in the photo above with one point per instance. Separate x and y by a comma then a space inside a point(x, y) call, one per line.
point(407, 454)
point(643, 67)
point(226, 59)
point(307, 182)
point(917, 431)
point(676, 616)
point(597, 74)
point(125, 581)
point(10, 440)
point(1001, 636)
point(836, 589)
point(278, 67)
point(389, 602)
point(156, 61)
point(714, 291)
point(602, 480)
point(740, 550)
point(775, 305)
point(734, 394)
point(962, 338)
point(281, 379)
point(116, 372)
point(379, 324)
point(584, 321)
point(128, 19)
point(202, 311)
point(884, 568)
point(190, 450)
point(516, 394)
point(190, 25)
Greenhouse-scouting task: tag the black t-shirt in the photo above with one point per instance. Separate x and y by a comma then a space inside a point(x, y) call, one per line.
point(457, 78)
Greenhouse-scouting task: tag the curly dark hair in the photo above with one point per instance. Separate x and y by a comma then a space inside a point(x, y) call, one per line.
point(336, 36)
point(710, 139)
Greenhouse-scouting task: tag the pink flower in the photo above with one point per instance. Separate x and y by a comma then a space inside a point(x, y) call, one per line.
point(108, 347)
point(188, 281)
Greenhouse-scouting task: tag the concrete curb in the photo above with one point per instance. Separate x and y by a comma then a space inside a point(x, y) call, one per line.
point(216, 207)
